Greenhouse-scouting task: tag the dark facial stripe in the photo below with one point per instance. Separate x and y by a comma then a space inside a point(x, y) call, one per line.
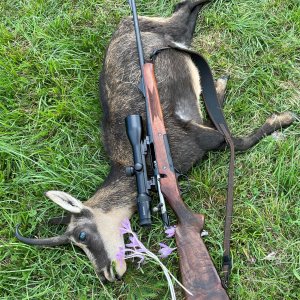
point(93, 242)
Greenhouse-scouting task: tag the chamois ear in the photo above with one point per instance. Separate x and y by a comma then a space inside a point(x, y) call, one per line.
point(66, 201)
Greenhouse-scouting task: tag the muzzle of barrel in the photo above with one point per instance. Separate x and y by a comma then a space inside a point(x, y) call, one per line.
point(134, 130)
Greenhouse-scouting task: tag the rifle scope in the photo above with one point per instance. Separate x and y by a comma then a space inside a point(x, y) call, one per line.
point(134, 130)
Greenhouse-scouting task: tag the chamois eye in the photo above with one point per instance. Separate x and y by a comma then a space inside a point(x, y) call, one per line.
point(82, 236)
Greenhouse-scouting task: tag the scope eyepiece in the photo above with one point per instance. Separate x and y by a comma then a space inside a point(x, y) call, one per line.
point(144, 209)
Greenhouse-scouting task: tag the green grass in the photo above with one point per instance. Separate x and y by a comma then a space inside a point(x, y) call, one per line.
point(51, 53)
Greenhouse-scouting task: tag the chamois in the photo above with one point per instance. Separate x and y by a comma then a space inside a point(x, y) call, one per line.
point(94, 224)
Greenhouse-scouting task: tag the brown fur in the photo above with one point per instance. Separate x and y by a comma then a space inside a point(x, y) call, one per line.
point(189, 137)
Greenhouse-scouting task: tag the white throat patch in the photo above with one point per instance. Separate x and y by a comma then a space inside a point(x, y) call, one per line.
point(108, 225)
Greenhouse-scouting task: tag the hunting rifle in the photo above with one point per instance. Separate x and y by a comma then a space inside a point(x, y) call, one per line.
point(198, 273)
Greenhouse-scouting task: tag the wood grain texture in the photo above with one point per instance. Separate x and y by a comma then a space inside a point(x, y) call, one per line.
point(198, 273)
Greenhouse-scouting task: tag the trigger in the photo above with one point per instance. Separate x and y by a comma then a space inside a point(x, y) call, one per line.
point(180, 175)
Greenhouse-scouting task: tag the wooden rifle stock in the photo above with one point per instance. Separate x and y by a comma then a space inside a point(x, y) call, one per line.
point(198, 273)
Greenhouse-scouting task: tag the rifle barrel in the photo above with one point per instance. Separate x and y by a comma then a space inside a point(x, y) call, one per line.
point(142, 64)
point(137, 34)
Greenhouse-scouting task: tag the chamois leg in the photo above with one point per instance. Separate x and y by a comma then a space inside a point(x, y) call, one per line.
point(191, 9)
point(272, 124)
point(202, 138)
point(192, 141)
point(184, 21)
point(190, 5)
point(221, 85)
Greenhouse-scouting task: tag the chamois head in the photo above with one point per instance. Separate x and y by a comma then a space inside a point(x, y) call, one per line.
point(96, 232)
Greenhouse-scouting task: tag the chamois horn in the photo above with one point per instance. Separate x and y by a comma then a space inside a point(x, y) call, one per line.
point(53, 241)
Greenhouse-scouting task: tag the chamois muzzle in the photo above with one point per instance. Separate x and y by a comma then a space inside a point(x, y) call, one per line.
point(53, 241)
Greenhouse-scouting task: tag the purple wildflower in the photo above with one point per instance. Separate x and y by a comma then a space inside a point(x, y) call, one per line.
point(134, 242)
point(142, 258)
point(170, 232)
point(137, 244)
point(126, 228)
point(165, 250)
point(120, 256)
point(136, 249)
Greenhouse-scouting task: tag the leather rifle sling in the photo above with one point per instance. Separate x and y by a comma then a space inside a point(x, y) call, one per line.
point(216, 115)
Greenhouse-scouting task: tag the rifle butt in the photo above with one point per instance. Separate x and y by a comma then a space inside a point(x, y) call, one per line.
point(198, 272)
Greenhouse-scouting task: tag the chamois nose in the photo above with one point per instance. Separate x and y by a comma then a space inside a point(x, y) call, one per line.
point(120, 269)
point(112, 274)
point(118, 277)
point(108, 274)
point(102, 278)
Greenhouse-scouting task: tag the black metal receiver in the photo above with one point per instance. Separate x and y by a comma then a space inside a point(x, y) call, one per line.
point(142, 147)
